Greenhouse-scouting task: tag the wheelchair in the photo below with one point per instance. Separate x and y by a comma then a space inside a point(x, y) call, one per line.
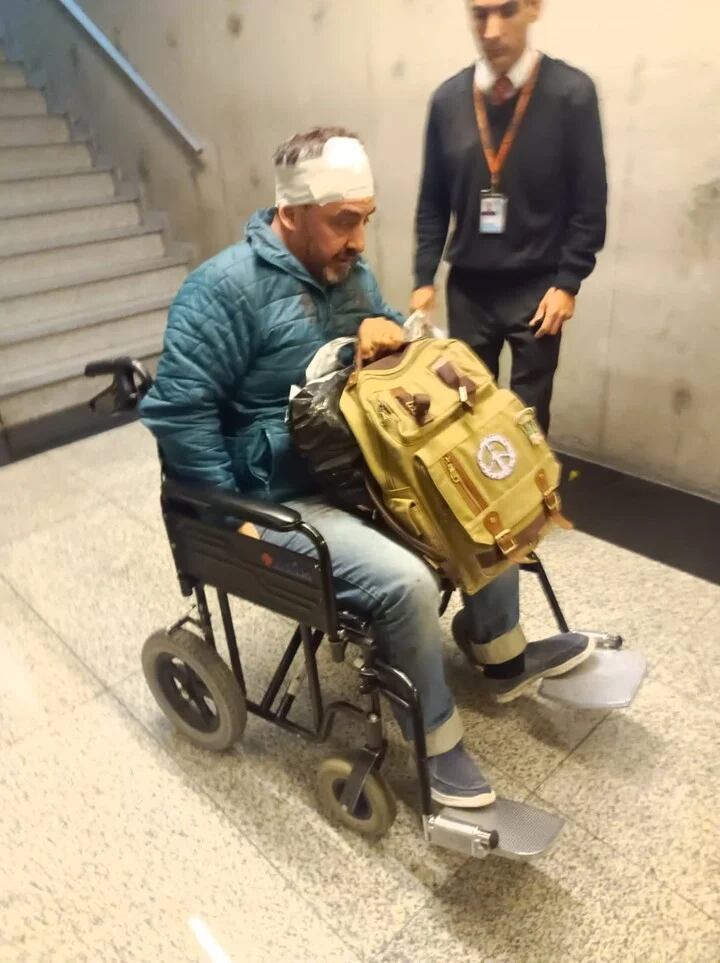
point(205, 696)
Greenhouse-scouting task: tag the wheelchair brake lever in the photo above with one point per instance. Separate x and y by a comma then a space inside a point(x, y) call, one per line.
point(119, 397)
point(131, 382)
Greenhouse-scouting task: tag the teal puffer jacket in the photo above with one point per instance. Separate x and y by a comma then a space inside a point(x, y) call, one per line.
point(241, 331)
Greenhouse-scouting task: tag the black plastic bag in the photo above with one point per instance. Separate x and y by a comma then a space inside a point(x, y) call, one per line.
point(324, 440)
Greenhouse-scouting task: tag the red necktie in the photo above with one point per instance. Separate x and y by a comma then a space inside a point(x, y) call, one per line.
point(502, 90)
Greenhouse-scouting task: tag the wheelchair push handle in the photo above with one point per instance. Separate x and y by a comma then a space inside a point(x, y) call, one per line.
point(98, 368)
point(131, 382)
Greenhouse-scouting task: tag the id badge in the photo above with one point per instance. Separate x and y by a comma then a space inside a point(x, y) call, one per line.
point(493, 213)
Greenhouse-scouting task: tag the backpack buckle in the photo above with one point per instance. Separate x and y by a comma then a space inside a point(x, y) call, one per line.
point(505, 541)
point(553, 503)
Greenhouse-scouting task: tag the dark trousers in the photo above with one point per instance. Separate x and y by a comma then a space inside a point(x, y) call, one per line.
point(485, 311)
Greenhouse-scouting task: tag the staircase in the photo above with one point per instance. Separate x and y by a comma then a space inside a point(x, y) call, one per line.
point(81, 275)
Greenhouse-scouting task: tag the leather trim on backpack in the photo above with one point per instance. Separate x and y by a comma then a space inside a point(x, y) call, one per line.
point(417, 405)
point(519, 546)
point(553, 502)
point(449, 375)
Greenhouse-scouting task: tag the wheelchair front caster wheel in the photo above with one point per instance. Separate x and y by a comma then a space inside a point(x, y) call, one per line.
point(376, 810)
point(195, 689)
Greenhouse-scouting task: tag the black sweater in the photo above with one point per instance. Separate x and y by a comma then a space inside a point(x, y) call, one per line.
point(554, 178)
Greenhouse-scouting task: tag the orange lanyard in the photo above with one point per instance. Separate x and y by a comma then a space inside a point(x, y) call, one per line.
point(496, 159)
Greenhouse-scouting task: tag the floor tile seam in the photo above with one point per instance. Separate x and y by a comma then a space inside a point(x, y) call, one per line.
point(535, 790)
point(693, 623)
point(712, 710)
point(623, 855)
point(104, 686)
point(62, 519)
point(228, 817)
point(48, 723)
point(709, 611)
point(135, 516)
point(431, 897)
point(611, 713)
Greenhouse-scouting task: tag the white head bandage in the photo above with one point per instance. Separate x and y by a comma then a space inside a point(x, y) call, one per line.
point(342, 173)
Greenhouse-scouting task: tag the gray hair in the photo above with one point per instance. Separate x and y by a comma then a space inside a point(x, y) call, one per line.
point(307, 146)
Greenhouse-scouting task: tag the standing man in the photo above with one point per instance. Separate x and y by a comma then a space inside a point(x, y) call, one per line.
point(514, 154)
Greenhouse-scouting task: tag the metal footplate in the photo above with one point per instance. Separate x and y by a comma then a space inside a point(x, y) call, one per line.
point(609, 679)
point(510, 829)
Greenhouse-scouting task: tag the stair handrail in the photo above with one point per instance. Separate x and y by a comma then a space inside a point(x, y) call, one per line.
point(125, 67)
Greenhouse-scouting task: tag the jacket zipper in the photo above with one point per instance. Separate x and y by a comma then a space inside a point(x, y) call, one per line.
point(459, 477)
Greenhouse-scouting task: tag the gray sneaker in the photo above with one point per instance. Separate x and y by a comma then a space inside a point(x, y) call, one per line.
point(456, 780)
point(550, 657)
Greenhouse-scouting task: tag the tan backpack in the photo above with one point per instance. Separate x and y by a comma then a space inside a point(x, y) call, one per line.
point(461, 468)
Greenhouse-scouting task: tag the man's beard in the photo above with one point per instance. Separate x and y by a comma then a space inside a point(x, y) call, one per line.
point(336, 275)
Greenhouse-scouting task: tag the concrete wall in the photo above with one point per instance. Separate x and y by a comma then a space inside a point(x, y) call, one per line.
point(639, 366)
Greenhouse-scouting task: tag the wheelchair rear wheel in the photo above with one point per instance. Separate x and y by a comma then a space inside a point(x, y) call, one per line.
point(376, 809)
point(195, 689)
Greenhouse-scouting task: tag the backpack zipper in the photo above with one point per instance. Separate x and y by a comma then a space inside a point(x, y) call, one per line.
point(458, 476)
point(385, 412)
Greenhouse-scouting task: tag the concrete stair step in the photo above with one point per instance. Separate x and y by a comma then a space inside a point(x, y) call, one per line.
point(31, 364)
point(25, 131)
point(69, 221)
point(84, 292)
point(124, 195)
point(57, 414)
point(80, 276)
point(47, 191)
point(44, 158)
point(54, 386)
point(88, 319)
point(67, 260)
point(22, 101)
point(12, 76)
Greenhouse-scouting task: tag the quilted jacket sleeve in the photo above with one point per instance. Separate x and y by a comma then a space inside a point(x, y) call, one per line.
point(208, 345)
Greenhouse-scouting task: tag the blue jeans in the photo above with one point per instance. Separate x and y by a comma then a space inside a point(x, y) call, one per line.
point(381, 581)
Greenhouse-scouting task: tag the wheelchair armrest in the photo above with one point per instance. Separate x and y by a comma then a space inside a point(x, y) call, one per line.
point(254, 510)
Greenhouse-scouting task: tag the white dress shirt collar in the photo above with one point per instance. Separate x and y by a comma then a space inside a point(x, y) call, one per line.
point(519, 74)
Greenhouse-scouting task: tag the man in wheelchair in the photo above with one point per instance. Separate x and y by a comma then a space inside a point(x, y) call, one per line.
point(241, 332)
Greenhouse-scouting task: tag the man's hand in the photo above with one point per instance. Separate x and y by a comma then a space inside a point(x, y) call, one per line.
point(555, 309)
point(378, 337)
point(247, 528)
point(423, 299)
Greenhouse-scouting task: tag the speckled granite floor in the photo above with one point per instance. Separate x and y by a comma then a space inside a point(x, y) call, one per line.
point(120, 842)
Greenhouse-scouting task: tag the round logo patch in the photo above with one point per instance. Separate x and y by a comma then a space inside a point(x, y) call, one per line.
point(496, 457)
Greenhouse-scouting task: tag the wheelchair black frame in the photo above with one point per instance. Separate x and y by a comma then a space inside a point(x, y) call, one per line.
point(202, 528)
point(196, 572)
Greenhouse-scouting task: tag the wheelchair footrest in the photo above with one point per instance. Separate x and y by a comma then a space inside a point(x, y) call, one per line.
point(508, 828)
point(609, 679)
